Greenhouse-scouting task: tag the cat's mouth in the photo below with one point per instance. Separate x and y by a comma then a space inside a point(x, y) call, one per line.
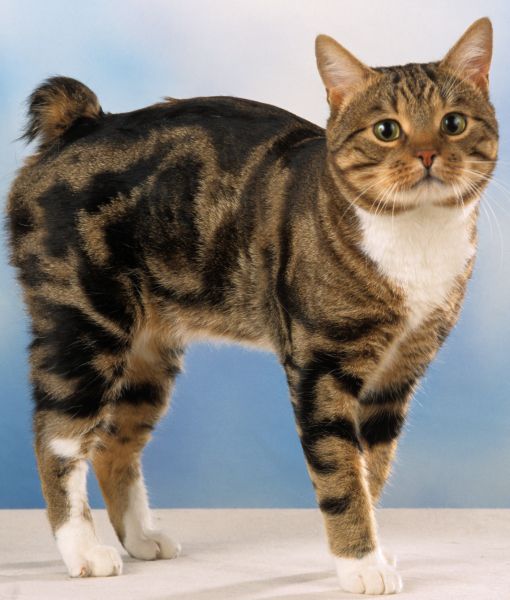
point(427, 180)
point(428, 188)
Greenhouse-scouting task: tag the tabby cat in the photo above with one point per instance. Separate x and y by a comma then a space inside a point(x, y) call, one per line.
point(346, 251)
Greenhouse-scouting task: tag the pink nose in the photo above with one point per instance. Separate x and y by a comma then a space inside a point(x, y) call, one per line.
point(426, 157)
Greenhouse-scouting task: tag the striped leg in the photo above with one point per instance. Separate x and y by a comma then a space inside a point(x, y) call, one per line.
point(72, 396)
point(86, 372)
point(379, 459)
point(62, 445)
point(325, 404)
point(117, 464)
point(381, 417)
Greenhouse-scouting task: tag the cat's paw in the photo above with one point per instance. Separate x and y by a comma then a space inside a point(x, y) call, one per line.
point(151, 545)
point(369, 575)
point(98, 561)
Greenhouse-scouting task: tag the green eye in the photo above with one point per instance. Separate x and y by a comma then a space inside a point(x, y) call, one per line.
point(387, 130)
point(453, 124)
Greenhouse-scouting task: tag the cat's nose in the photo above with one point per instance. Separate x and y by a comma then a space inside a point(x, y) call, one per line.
point(427, 157)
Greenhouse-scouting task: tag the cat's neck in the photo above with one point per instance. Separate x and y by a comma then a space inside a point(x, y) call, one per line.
point(423, 251)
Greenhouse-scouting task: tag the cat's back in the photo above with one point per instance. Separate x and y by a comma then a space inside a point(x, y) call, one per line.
point(222, 129)
point(90, 162)
point(227, 118)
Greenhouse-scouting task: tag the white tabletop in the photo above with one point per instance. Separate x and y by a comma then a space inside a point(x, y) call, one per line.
point(266, 554)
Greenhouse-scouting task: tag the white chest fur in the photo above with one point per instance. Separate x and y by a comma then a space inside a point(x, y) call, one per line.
point(421, 251)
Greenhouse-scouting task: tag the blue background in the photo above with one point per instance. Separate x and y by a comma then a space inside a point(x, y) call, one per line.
point(229, 439)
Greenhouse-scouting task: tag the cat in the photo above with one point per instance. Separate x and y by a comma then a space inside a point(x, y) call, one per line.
point(346, 251)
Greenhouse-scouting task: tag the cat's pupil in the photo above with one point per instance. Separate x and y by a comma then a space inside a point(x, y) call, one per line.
point(454, 123)
point(386, 129)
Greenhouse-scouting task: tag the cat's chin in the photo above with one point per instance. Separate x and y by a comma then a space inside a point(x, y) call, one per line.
point(428, 191)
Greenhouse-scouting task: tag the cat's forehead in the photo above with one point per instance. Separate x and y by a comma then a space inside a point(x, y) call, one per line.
point(420, 89)
point(415, 78)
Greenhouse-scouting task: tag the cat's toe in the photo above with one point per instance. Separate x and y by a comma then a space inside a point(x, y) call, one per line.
point(168, 547)
point(142, 548)
point(392, 581)
point(372, 580)
point(369, 575)
point(153, 544)
point(98, 561)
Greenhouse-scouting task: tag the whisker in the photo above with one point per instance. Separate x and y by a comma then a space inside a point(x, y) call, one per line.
point(502, 187)
point(500, 235)
point(486, 207)
point(381, 201)
point(487, 214)
point(379, 181)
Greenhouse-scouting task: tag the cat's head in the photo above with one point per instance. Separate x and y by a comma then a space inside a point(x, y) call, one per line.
point(421, 133)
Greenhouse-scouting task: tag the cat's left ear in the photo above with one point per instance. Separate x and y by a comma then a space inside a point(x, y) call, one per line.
point(470, 58)
point(341, 72)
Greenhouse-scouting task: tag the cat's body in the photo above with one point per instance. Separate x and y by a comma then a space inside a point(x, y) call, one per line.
point(199, 233)
point(217, 217)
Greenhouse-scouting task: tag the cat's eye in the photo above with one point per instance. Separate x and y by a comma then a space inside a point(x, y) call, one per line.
point(387, 130)
point(453, 124)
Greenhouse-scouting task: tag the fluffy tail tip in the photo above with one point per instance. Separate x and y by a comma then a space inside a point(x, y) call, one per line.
point(55, 106)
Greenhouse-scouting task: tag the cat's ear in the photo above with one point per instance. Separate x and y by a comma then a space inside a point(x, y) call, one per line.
point(341, 72)
point(470, 58)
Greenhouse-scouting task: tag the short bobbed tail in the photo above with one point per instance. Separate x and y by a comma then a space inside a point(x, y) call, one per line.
point(55, 106)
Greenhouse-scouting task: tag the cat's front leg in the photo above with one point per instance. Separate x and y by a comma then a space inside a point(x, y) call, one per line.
point(381, 416)
point(325, 405)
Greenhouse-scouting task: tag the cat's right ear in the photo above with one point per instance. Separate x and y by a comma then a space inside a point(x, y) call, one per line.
point(341, 72)
point(471, 55)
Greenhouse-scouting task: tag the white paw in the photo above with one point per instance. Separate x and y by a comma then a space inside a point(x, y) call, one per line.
point(82, 553)
point(98, 561)
point(369, 575)
point(152, 544)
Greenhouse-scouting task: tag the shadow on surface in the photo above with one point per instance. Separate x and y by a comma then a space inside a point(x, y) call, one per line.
point(247, 590)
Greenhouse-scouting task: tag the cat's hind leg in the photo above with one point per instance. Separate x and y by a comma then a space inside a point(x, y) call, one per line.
point(72, 394)
point(117, 463)
point(78, 361)
point(117, 460)
point(63, 443)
